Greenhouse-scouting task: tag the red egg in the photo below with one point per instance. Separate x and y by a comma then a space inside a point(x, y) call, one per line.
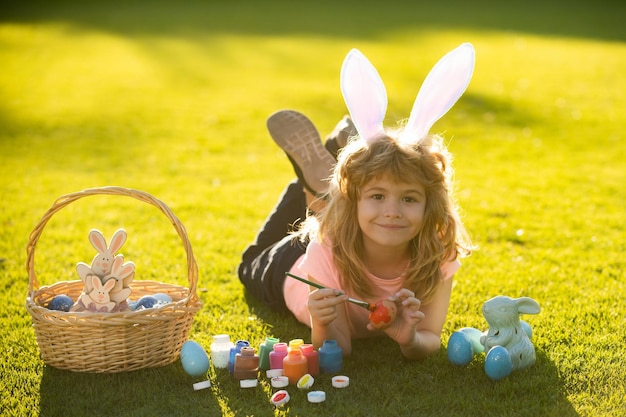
point(384, 314)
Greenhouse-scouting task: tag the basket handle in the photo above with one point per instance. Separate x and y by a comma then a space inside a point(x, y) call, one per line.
point(192, 267)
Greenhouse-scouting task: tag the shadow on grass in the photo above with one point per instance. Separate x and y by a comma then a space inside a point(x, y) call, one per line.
point(167, 390)
point(440, 388)
point(384, 382)
point(284, 325)
point(381, 383)
point(350, 19)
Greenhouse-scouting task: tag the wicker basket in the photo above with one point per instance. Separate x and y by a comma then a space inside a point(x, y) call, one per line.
point(111, 342)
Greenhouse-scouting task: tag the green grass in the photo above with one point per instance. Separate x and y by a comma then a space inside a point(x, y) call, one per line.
point(171, 98)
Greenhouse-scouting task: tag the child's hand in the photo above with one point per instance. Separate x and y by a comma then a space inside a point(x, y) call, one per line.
point(323, 304)
point(403, 328)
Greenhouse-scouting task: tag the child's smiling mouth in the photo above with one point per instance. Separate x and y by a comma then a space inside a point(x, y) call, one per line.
point(391, 226)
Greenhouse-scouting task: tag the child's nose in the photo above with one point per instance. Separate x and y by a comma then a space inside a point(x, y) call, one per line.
point(392, 209)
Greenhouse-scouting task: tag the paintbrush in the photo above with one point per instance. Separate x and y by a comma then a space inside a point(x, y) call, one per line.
point(364, 304)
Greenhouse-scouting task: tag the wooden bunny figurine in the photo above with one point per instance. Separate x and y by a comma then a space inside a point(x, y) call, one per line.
point(505, 328)
point(98, 300)
point(105, 267)
point(122, 274)
point(103, 261)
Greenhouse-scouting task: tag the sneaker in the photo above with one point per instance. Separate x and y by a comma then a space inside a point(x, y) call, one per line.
point(298, 138)
point(338, 138)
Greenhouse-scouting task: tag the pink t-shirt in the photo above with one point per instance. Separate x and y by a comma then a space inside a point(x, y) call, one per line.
point(318, 263)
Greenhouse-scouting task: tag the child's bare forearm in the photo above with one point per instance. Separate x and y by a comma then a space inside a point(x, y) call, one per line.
point(424, 344)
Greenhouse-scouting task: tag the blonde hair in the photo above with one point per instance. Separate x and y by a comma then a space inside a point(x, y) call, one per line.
point(442, 237)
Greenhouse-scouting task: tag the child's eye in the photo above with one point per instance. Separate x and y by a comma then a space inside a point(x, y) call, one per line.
point(410, 199)
point(377, 197)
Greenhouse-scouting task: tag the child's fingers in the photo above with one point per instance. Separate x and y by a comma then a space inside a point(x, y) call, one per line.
point(324, 301)
point(418, 315)
point(322, 304)
point(407, 299)
point(327, 314)
point(411, 303)
point(328, 297)
point(402, 295)
point(325, 293)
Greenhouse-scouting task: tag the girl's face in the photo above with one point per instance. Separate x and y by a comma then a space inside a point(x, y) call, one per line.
point(390, 213)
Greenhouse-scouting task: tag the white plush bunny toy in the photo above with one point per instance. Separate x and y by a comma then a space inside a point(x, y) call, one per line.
point(506, 330)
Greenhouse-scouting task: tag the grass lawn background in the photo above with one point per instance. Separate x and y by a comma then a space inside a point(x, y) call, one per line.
point(171, 98)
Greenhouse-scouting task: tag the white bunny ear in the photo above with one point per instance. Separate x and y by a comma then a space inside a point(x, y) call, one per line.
point(108, 286)
point(95, 282)
point(97, 240)
point(443, 86)
point(526, 305)
point(126, 270)
point(118, 240)
point(365, 95)
point(117, 263)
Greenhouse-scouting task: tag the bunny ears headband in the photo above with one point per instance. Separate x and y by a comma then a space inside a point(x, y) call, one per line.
point(366, 98)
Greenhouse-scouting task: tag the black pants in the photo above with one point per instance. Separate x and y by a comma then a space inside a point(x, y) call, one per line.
point(275, 251)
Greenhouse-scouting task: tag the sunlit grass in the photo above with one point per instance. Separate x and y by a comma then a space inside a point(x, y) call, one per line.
point(173, 100)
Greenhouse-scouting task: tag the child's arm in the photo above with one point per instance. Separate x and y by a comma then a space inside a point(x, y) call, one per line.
point(417, 328)
point(328, 318)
